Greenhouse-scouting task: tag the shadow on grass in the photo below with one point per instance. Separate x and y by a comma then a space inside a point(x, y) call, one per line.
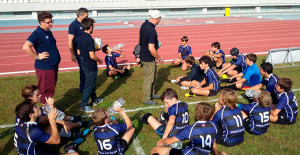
point(73, 96)
point(162, 76)
point(9, 146)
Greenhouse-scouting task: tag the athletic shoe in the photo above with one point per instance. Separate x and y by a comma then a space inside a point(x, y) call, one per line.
point(83, 133)
point(76, 118)
point(86, 124)
point(97, 101)
point(149, 102)
point(184, 87)
point(144, 118)
point(70, 148)
point(156, 96)
point(189, 94)
point(87, 109)
point(173, 81)
point(163, 118)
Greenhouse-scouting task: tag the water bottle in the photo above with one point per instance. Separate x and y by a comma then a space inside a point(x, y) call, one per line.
point(177, 145)
point(118, 103)
point(46, 110)
point(252, 93)
point(118, 46)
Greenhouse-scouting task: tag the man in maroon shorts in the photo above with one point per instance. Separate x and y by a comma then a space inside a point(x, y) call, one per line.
point(46, 55)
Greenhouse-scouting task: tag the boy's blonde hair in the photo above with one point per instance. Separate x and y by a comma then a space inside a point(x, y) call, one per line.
point(229, 97)
point(99, 117)
point(265, 99)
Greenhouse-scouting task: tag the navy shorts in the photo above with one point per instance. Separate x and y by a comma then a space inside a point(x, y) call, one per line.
point(283, 120)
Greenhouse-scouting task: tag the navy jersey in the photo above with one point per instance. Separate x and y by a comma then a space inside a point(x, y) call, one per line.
point(202, 135)
point(181, 111)
point(108, 139)
point(252, 74)
point(85, 46)
point(111, 60)
point(29, 138)
point(42, 41)
point(196, 73)
point(288, 105)
point(232, 125)
point(148, 35)
point(76, 30)
point(259, 117)
point(222, 56)
point(239, 62)
point(185, 51)
point(270, 82)
point(212, 77)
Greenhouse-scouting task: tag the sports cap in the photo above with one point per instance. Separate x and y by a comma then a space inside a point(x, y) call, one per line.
point(154, 13)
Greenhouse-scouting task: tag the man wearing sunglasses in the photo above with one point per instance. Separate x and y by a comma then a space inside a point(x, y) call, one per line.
point(45, 53)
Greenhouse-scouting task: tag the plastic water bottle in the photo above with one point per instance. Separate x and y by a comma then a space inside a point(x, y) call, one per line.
point(118, 46)
point(252, 93)
point(46, 110)
point(118, 103)
point(177, 145)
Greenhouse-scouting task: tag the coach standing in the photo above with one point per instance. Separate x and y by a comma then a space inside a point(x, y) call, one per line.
point(75, 30)
point(47, 57)
point(148, 54)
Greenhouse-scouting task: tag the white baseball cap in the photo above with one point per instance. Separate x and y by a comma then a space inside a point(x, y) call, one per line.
point(154, 13)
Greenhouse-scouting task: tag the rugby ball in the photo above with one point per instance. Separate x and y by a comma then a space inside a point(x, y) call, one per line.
point(98, 43)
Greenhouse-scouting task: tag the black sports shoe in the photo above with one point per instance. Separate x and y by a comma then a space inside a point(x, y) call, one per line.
point(145, 117)
point(163, 118)
point(73, 145)
point(76, 118)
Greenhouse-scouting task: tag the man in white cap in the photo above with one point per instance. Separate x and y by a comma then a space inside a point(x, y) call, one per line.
point(148, 55)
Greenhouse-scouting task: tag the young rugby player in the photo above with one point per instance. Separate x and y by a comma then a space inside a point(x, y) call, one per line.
point(217, 55)
point(184, 50)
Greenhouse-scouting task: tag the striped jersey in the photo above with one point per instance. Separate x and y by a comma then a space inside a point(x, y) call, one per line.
point(239, 62)
point(29, 139)
point(223, 54)
point(212, 77)
point(232, 125)
point(259, 117)
point(111, 60)
point(181, 111)
point(288, 105)
point(270, 82)
point(185, 51)
point(108, 139)
point(202, 135)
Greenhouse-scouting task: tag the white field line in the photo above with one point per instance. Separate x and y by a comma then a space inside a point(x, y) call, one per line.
point(137, 146)
point(74, 68)
point(143, 108)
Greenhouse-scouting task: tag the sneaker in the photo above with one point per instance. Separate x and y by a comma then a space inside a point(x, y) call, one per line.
point(83, 133)
point(149, 102)
point(76, 118)
point(86, 124)
point(87, 109)
point(173, 81)
point(189, 95)
point(184, 87)
point(156, 96)
point(163, 118)
point(73, 146)
point(144, 118)
point(97, 101)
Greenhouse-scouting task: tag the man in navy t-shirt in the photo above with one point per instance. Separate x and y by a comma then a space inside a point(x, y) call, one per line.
point(148, 54)
point(46, 57)
point(29, 138)
point(86, 52)
point(75, 30)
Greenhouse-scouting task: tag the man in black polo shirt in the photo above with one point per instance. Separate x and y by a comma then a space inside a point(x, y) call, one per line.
point(75, 30)
point(148, 54)
point(46, 55)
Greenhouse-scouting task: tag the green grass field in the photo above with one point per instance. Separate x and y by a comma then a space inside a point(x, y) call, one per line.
point(278, 140)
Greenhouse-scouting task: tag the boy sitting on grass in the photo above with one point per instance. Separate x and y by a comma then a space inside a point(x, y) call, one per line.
point(112, 68)
point(195, 74)
point(210, 85)
point(184, 50)
point(177, 119)
point(217, 55)
point(107, 134)
point(256, 115)
point(202, 135)
point(229, 119)
point(248, 78)
point(285, 109)
point(236, 65)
